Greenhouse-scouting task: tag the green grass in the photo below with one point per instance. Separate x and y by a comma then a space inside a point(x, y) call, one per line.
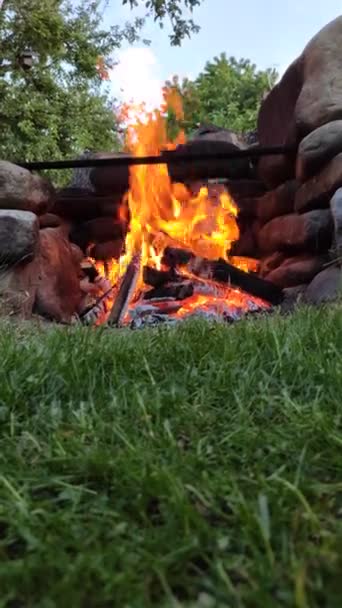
point(199, 466)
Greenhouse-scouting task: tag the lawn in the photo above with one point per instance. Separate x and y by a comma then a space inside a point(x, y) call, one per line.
point(198, 466)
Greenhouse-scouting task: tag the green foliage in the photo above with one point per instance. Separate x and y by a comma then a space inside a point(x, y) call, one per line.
point(174, 10)
point(192, 467)
point(227, 93)
point(60, 106)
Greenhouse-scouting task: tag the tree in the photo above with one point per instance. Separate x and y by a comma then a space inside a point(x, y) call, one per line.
point(227, 93)
point(54, 58)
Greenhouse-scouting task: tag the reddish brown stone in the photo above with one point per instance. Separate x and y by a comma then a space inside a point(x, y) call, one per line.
point(271, 262)
point(317, 191)
point(108, 250)
point(276, 202)
point(311, 231)
point(99, 230)
point(49, 220)
point(246, 245)
point(296, 270)
point(58, 293)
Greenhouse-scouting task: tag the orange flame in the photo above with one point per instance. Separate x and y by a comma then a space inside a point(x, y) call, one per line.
point(163, 213)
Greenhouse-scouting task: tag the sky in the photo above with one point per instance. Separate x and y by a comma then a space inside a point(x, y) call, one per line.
point(271, 33)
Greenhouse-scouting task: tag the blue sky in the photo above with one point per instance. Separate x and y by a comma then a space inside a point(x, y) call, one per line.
point(271, 33)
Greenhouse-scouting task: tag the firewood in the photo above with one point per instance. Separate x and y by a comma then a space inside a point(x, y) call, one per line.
point(174, 256)
point(125, 291)
point(178, 291)
point(156, 278)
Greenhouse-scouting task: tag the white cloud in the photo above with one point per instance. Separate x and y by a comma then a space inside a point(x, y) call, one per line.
point(136, 78)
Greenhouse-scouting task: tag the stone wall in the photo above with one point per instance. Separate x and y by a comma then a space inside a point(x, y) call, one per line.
point(295, 227)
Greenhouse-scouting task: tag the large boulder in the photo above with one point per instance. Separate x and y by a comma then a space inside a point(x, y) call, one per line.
point(99, 230)
point(318, 148)
point(311, 231)
point(317, 191)
point(309, 95)
point(58, 294)
point(18, 236)
point(22, 190)
point(276, 126)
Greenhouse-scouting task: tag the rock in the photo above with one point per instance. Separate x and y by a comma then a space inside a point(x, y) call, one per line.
point(24, 191)
point(95, 231)
point(77, 253)
point(311, 231)
point(320, 98)
point(325, 287)
point(18, 236)
point(318, 148)
point(58, 294)
point(308, 96)
point(213, 133)
point(271, 262)
point(110, 180)
point(245, 246)
point(336, 211)
point(77, 204)
point(294, 294)
point(276, 126)
point(107, 250)
point(296, 270)
point(217, 142)
point(317, 191)
point(18, 286)
point(276, 202)
point(245, 188)
point(49, 220)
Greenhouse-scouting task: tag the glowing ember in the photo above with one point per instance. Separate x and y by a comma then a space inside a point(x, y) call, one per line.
point(162, 213)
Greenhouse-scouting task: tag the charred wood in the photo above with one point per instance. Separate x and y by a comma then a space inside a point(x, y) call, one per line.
point(156, 278)
point(125, 291)
point(174, 256)
point(223, 272)
point(178, 291)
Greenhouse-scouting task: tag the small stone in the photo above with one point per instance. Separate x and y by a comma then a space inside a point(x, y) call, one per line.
point(311, 231)
point(317, 191)
point(325, 287)
point(19, 232)
point(336, 210)
point(318, 148)
point(22, 190)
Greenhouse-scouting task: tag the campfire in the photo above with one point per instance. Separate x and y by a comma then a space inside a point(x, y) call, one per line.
point(176, 260)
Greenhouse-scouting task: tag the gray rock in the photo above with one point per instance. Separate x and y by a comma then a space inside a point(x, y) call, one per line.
point(19, 236)
point(310, 231)
point(20, 189)
point(276, 202)
point(318, 148)
point(296, 270)
point(317, 191)
point(325, 287)
point(18, 287)
point(336, 211)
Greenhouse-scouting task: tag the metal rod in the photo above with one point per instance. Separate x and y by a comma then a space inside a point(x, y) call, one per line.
point(169, 158)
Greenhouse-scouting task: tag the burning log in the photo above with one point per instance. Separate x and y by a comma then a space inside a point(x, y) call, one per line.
point(223, 272)
point(178, 291)
point(174, 256)
point(125, 291)
point(94, 314)
point(156, 278)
